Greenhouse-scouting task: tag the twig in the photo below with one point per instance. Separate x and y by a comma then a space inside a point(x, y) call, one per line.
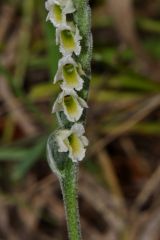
point(110, 207)
point(136, 161)
point(146, 226)
point(150, 187)
point(19, 116)
point(5, 20)
point(122, 10)
point(109, 174)
point(141, 112)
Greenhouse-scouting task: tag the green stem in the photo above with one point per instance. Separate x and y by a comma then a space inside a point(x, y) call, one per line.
point(82, 18)
point(69, 190)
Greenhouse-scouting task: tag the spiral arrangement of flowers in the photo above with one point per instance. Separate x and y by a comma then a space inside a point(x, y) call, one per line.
point(67, 145)
point(71, 78)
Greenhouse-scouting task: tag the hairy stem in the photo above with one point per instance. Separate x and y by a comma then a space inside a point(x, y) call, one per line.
point(69, 190)
point(82, 18)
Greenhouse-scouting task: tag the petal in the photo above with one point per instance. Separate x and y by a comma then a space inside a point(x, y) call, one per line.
point(77, 40)
point(57, 107)
point(67, 59)
point(69, 8)
point(79, 84)
point(78, 128)
point(64, 133)
point(48, 4)
point(57, 36)
point(61, 145)
point(82, 102)
point(84, 141)
point(60, 137)
point(58, 75)
point(48, 17)
point(77, 87)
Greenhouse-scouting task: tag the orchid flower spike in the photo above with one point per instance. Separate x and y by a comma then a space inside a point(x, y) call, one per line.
point(69, 75)
point(73, 141)
point(71, 104)
point(69, 39)
point(58, 10)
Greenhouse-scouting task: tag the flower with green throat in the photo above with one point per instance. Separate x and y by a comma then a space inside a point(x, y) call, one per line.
point(57, 11)
point(69, 39)
point(72, 141)
point(71, 104)
point(69, 73)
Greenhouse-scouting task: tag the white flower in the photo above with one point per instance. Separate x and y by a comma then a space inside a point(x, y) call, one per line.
point(55, 15)
point(58, 10)
point(69, 39)
point(71, 104)
point(73, 141)
point(68, 72)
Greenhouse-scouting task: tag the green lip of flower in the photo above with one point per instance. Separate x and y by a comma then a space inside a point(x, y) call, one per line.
point(75, 144)
point(57, 13)
point(71, 105)
point(67, 39)
point(70, 75)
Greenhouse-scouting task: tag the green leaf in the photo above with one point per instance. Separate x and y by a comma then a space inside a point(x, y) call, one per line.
point(29, 159)
point(149, 25)
point(42, 91)
point(133, 81)
point(12, 154)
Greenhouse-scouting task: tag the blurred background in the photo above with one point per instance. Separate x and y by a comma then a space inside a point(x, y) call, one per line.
point(119, 181)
